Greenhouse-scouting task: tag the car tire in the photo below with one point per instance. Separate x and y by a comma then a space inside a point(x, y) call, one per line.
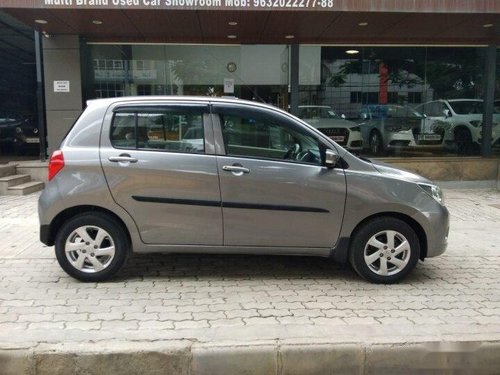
point(463, 141)
point(91, 247)
point(375, 143)
point(384, 250)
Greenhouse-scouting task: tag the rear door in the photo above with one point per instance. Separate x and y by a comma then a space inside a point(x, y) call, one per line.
point(275, 188)
point(160, 166)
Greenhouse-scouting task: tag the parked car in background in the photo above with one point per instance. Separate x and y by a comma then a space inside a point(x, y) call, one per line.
point(465, 118)
point(388, 127)
point(327, 121)
point(17, 133)
point(263, 182)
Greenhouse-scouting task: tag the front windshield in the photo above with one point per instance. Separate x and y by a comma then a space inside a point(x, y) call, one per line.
point(393, 111)
point(317, 113)
point(470, 107)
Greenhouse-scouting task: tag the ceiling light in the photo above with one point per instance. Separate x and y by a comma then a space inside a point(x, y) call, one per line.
point(231, 36)
point(487, 25)
point(232, 23)
point(97, 22)
point(289, 36)
point(41, 22)
point(352, 51)
point(362, 24)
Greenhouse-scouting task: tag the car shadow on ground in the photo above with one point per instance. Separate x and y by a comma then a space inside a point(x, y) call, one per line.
point(246, 267)
point(232, 266)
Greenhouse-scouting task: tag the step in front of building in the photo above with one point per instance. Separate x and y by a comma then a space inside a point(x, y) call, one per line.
point(15, 182)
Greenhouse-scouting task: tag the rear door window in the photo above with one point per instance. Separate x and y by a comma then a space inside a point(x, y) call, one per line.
point(172, 129)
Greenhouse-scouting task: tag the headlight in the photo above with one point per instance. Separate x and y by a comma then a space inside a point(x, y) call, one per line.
point(476, 123)
point(434, 191)
point(19, 130)
point(393, 128)
point(355, 129)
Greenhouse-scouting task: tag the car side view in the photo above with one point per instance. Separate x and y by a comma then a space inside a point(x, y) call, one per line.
point(210, 175)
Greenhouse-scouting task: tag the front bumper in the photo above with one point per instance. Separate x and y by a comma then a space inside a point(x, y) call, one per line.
point(437, 233)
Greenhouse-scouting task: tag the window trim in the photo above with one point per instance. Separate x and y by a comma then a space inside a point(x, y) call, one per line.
point(135, 108)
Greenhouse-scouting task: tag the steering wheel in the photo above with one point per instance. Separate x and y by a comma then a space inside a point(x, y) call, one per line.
point(307, 156)
point(292, 151)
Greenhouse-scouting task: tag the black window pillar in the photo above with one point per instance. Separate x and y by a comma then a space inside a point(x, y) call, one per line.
point(40, 97)
point(294, 79)
point(489, 93)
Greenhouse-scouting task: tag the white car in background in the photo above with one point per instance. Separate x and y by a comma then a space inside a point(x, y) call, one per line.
point(392, 127)
point(465, 117)
point(326, 120)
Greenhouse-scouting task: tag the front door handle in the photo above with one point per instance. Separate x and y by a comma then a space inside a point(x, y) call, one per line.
point(123, 158)
point(237, 170)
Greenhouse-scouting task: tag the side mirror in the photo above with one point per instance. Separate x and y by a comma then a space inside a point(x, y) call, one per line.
point(363, 116)
point(331, 159)
point(446, 113)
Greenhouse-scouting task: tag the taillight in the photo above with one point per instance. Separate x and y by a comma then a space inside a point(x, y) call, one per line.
point(56, 163)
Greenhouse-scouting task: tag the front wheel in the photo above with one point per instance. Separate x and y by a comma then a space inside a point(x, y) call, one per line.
point(91, 247)
point(384, 250)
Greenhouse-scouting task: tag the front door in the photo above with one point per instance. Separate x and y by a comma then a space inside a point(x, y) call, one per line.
point(275, 189)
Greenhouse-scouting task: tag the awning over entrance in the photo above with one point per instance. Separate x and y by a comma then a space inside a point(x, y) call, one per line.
point(266, 21)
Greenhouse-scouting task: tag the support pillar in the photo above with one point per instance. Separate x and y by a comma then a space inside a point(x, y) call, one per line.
point(489, 97)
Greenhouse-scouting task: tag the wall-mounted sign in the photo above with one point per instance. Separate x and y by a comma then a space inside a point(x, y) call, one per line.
point(228, 86)
point(61, 86)
point(183, 4)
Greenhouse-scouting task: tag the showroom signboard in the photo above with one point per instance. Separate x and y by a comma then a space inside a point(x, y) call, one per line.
point(448, 6)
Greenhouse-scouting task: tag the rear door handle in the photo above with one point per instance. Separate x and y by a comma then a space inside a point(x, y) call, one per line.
point(235, 169)
point(122, 159)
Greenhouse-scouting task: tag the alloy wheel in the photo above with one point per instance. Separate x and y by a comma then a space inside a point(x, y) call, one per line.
point(387, 253)
point(89, 249)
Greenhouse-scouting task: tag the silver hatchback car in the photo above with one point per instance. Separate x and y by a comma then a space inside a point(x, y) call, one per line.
point(207, 175)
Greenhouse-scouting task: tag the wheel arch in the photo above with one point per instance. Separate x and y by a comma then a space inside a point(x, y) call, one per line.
point(77, 210)
point(422, 237)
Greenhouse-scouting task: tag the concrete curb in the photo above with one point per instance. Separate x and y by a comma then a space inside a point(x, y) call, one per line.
point(274, 357)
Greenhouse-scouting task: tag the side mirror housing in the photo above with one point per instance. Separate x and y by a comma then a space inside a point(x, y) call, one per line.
point(446, 113)
point(331, 159)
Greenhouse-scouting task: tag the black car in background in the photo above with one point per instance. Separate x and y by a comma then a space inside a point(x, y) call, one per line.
point(17, 133)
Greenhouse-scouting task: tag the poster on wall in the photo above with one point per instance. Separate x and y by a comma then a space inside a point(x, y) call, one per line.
point(61, 86)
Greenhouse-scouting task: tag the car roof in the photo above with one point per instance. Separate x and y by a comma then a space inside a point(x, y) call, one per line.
point(176, 98)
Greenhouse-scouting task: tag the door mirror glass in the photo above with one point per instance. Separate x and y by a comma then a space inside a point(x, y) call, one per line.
point(331, 158)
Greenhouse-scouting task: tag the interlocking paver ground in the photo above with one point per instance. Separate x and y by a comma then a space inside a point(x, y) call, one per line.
point(245, 298)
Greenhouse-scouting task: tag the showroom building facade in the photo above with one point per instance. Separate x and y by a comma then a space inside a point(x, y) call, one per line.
point(379, 63)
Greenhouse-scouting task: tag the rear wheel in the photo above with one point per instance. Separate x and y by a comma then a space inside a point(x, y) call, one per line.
point(384, 250)
point(91, 247)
